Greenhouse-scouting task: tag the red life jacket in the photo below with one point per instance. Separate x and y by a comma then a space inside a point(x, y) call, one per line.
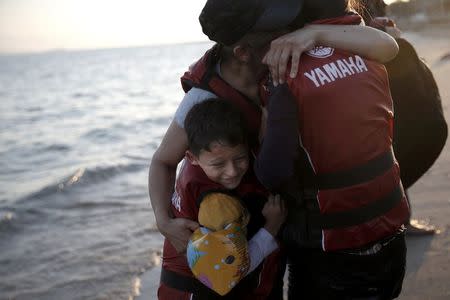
point(203, 75)
point(354, 195)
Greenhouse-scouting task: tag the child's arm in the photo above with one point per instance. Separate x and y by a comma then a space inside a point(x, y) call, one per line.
point(263, 242)
point(363, 40)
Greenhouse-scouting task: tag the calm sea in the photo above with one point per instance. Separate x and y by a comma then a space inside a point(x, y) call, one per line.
point(77, 132)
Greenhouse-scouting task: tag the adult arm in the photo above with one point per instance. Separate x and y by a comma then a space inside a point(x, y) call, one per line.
point(274, 163)
point(363, 40)
point(161, 181)
point(162, 173)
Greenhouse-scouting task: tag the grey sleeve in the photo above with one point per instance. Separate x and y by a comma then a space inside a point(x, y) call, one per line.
point(194, 96)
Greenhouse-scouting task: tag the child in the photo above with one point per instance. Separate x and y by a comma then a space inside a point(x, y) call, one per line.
point(218, 166)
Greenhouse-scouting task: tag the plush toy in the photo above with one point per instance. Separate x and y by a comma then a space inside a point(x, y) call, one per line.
point(217, 252)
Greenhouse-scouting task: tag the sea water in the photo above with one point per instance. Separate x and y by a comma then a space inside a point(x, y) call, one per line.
point(77, 132)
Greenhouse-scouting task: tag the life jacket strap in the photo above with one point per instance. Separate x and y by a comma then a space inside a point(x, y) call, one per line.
point(193, 285)
point(358, 215)
point(360, 174)
point(181, 282)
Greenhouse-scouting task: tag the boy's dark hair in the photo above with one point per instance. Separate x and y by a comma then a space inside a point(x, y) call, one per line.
point(214, 120)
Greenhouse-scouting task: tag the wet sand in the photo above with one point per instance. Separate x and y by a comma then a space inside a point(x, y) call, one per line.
point(428, 264)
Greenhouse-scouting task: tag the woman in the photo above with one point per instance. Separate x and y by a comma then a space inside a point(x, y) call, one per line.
point(238, 70)
point(348, 207)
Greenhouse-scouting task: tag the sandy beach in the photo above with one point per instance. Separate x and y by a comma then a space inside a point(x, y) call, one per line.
point(428, 263)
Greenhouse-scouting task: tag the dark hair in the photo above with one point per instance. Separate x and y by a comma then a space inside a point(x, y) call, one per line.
point(214, 120)
point(370, 9)
point(323, 9)
point(256, 41)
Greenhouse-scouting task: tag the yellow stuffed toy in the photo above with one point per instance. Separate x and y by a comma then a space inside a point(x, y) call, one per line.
point(218, 210)
point(217, 252)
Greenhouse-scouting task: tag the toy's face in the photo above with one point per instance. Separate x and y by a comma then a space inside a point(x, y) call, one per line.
point(217, 210)
point(219, 259)
point(225, 165)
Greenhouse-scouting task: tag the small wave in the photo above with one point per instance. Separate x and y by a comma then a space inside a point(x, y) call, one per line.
point(137, 157)
point(140, 94)
point(91, 204)
point(57, 148)
point(84, 176)
point(6, 217)
point(146, 231)
point(164, 120)
point(97, 133)
point(13, 215)
point(102, 135)
point(33, 109)
point(51, 148)
point(48, 75)
point(445, 57)
point(84, 95)
point(7, 222)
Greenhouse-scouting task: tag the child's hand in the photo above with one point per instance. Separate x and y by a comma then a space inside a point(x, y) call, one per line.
point(275, 213)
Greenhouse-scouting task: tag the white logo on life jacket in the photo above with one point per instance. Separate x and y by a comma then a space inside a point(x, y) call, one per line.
point(176, 201)
point(338, 69)
point(320, 52)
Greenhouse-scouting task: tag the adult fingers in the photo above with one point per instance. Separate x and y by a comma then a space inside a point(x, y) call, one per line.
point(277, 200)
point(178, 232)
point(271, 60)
point(272, 199)
point(274, 66)
point(282, 63)
point(191, 225)
point(179, 245)
point(295, 60)
point(180, 241)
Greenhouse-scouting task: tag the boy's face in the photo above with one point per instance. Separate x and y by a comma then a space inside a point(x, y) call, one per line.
point(224, 164)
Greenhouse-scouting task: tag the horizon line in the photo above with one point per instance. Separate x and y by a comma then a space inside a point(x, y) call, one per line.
point(82, 49)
